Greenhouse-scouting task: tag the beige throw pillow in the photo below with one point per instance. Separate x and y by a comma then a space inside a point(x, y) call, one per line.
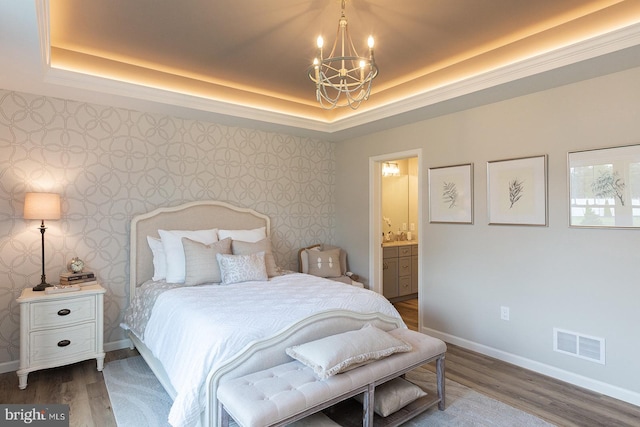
point(393, 395)
point(239, 247)
point(324, 263)
point(201, 264)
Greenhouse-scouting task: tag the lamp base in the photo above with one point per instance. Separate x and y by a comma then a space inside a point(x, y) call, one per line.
point(41, 287)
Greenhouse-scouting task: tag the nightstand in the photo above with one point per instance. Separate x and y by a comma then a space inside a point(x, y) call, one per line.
point(59, 329)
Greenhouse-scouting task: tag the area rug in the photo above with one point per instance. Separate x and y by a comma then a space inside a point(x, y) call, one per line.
point(138, 400)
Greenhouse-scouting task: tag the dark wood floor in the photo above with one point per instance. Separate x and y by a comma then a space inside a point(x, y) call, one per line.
point(552, 400)
point(83, 388)
point(79, 385)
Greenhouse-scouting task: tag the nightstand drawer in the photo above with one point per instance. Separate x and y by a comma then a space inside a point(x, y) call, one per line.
point(51, 346)
point(50, 314)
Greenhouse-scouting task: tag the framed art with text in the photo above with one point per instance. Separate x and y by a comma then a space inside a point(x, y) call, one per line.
point(517, 191)
point(451, 194)
point(604, 187)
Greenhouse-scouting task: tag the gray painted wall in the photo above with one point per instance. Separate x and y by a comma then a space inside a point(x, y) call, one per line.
point(583, 280)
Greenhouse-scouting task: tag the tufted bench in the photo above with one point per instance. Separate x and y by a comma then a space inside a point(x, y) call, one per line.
point(289, 392)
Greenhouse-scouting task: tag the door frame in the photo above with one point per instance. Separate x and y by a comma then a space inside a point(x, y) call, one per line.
point(375, 219)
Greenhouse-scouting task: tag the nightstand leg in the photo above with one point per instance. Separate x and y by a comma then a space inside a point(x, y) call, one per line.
point(100, 361)
point(22, 380)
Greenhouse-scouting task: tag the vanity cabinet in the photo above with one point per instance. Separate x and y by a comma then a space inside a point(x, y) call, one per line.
point(399, 270)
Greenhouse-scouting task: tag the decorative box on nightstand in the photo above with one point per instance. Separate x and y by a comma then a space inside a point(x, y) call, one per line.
point(60, 328)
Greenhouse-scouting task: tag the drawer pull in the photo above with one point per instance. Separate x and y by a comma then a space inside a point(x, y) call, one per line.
point(64, 343)
point(64, 312)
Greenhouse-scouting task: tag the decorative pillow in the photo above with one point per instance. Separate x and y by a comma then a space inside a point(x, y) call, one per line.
point(393, 395)
point(244, 235)
point(242, 268)
point(159, 258)
point(174, 252)
point(201, 264)
point(341, 352)
point(324, 263)
point(238, 247)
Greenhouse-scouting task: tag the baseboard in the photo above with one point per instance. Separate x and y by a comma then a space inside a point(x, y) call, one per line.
point(111, 346)
point(541, 368)
point(117, 345)
point(9, 366)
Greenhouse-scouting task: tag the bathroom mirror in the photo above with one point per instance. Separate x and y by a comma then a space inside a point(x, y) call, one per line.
point(400, 199)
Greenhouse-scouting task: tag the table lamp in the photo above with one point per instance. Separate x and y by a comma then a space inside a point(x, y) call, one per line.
point(42, 206)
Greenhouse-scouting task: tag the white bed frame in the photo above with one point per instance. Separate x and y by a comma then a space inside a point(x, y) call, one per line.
point(260, 354)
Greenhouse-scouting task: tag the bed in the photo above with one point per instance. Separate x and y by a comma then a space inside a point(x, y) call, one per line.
point(197, 337)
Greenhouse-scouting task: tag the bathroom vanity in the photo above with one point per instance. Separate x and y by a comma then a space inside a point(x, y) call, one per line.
point(400, 270)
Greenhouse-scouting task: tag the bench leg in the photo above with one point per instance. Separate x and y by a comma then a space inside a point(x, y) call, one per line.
point(440, 382)
point(367, 406)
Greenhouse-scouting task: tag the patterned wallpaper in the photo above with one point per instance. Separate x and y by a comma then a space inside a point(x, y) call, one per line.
point(110, 164)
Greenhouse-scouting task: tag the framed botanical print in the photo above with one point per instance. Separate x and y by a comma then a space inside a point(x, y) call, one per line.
point(451, 194)
point(604, 187)
point(517, 191)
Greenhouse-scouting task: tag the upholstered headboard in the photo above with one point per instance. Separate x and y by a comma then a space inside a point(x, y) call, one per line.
point(190, 216)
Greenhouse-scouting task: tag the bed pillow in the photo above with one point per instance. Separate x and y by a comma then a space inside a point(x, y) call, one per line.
point(324, 263)
point(201, 264)
point(238, 247)
point(242, 268)
point(393, 395)
point(159, 258)
point(341, 352)
point(244, 235)
point(174, 252)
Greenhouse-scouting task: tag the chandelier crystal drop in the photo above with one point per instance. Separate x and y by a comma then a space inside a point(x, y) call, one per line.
point(344, 77)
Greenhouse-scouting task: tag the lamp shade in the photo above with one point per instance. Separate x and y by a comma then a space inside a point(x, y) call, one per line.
point(42, 206)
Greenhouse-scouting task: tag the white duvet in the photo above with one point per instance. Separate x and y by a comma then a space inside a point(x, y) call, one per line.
point(193, 330)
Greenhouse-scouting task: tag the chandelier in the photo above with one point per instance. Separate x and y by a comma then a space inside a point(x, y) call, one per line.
point(344, 77)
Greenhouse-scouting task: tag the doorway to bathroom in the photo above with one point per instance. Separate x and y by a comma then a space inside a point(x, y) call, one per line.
point(395, 225)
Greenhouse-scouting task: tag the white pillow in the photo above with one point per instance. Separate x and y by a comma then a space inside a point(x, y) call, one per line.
point(348, 350)
point(174, 252)
point(201, 264)
point(159, 258)
point(393, 395)
point(242, 268)
point(244, 235)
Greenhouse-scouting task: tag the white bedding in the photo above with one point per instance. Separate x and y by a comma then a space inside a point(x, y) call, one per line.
point(194, 330)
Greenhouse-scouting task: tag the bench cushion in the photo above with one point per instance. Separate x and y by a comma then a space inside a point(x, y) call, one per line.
point(272, 395)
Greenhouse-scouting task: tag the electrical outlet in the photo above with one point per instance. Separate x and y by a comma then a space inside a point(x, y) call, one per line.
point(404, 226)
point(412, 227)
point(504, 313)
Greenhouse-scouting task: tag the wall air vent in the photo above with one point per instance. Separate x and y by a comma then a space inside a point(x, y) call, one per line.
point(579, 345)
